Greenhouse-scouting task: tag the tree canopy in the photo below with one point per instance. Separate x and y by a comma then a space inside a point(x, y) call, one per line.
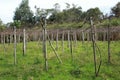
point(95, 13)
point(23, 14)
point(116, 10)
point(2, 26)
point(71, 14)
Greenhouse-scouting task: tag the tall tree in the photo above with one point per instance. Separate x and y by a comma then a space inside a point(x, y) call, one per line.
point(116, 10)
point(2, 26)
point(95, 13)
point(67, 15)
point(57, 7)
point(23, 13)
point(67, 5)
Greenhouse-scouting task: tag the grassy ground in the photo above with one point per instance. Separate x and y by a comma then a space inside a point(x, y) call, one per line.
point(31, 66)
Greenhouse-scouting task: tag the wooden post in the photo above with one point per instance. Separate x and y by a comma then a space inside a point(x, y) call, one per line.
point(4, 39)
point(93, 42)
point(4, 43)
point(24, 42)
point(109, 55)
point(57, 40)
point(15, 45)
point(104, 36)
point(35, 36)
point(75, 39)
point(1, 38)
point(7, 38)
point(63, 42)
point(52, 37)
point(54, 51)
point(71, 49)
point(19, 37)
point(88, 37)
point(68, 39)
point(45, 43)
point(45, 49)
point(95, 32)
point(83, 37)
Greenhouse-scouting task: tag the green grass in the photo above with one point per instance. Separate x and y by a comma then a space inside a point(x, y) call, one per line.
point(31, 66)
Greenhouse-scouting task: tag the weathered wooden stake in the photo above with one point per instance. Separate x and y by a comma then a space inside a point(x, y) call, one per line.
point(59, 59)
point(15, 45)
point(75, 39)
point(11, 38)
point(57, 40)
point(63, 42)
point(71, 49)
point(83, 37)
point(4, 43)
point(68, 39)
point(109, 55)
point(52, 37)
point(93, 42)
point(44, 42)
point(24, 42)
point(19, 38)
point(104, 36)
point(45, 49)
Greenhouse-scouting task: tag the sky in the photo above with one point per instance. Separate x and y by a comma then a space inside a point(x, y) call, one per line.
point(8, 7)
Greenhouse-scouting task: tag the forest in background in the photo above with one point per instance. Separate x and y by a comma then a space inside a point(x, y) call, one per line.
point(72, 16)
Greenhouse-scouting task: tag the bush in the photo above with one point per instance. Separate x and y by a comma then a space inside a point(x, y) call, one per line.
point(115, 22)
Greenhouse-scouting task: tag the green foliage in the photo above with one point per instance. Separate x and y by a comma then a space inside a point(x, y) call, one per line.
point(95, 13)
point(37, 61)
point(72, 16)
point(17, 23)
point(115, 22)
point(67, 25)
point(23, 13)
point(2, 26)
point(116, 10)
point(67, 15)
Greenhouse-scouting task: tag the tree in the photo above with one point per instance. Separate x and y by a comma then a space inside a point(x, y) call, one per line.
point(55, 13)
point(67, 5)
point(116, 10)
point(67, 15)
point(23, 13)
point(95, 13)
point(57, 7)
point(2, 26)
point(40, 12)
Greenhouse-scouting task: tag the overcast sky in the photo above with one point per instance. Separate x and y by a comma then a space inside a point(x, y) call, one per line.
point(7, 7)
